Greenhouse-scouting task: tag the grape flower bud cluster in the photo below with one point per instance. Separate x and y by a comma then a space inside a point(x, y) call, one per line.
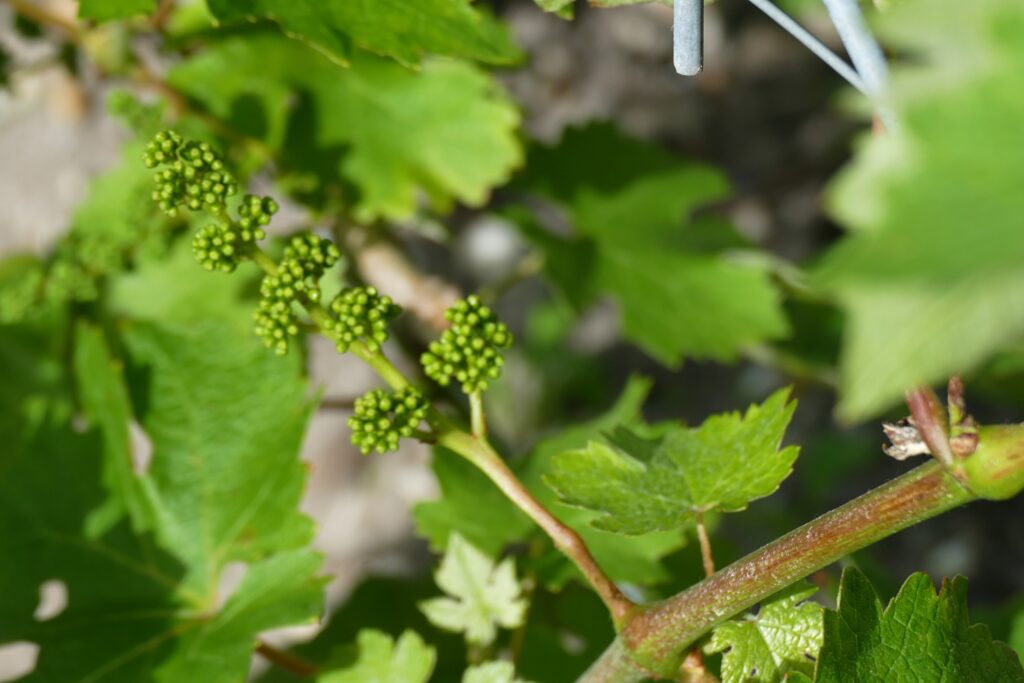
point(381, 419)
point(362, 314)
point(297, 279)
point(470, 351)
point(189, 174)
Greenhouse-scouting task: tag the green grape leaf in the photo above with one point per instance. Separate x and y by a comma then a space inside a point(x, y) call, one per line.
point(446, 132)
point(919, 636)
point(403, 29)
point(722, 465)
point(106, 10)
point(635, 559)
point(931, 276)
point(470, 505)
point(492, 672)
point(483, 596)
point(377, 658)
point(142, 551)
point(636, 240)
point(782, 637)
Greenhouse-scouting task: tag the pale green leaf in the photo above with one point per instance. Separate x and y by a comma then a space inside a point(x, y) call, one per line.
point(377, 658)
point(446, 132)
point(637, 240)
point(482, 598)
point(932, 277)
point(105, 10)
point(403, 29)
point(722, 465)
point(782, 637)
point(492, 672)
point(919, 636)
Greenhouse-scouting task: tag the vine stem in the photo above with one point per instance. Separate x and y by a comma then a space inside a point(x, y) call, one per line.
point(476, 412)
point(705, 545)
point(655, 640)
point(483, 456)
point(286, 660)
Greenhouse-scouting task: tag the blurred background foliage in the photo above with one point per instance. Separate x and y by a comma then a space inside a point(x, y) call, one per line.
point(662, 247)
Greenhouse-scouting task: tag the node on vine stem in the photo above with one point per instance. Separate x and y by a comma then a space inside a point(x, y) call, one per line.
point(381, 418)
point(470, 351)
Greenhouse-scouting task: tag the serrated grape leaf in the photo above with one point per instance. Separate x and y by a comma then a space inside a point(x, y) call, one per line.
point(782, 637)
point(919, 636)
point(492, 672)
point(447, 132)
point(722, 465)
point(403, 29)
point(471, 505)
point(634, 559)
point(142, 572)
point(482, 598)
point(631, 206)
point(377, 658)
point(931, 275)
point(106, 10)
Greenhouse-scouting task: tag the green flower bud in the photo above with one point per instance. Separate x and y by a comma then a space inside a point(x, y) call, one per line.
point(381, 418)
point(470, 351)
point(362, 314)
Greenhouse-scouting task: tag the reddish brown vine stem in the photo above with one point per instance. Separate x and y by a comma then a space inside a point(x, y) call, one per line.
point(286, 660)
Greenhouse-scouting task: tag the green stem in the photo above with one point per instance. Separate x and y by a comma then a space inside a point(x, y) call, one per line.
point(483, 456)
point(658, 635)
point(476, 411)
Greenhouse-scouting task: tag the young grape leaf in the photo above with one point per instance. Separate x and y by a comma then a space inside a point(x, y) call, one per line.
point(919, 636)
point(141, 553)
point(636, 239)
point(446, 131)
point(471, 505)
point(106, 10)
point(403, 29)
point(492, 672)
point(377, 658)
point(931, 275)
point(782, 637)
point(483, 596)
point(722, 465)
point(635, 559)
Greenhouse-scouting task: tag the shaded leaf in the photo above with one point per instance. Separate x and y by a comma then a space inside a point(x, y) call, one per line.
point(637, 238)
point(105, 10)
